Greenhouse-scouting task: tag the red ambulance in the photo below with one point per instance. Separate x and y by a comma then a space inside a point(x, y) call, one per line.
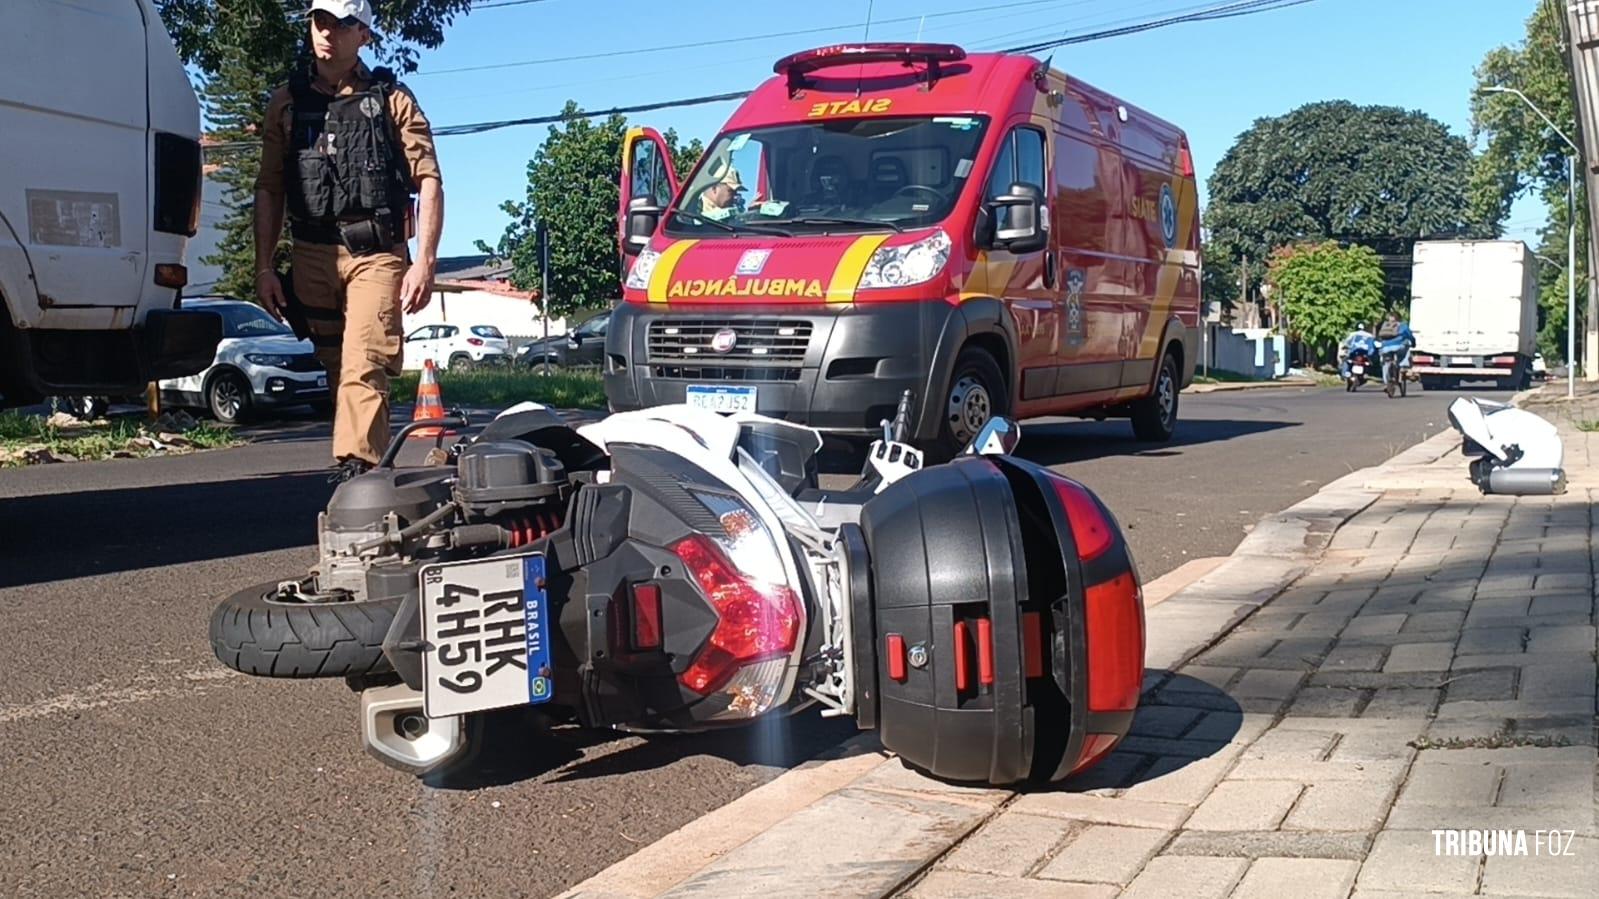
point(976, 228)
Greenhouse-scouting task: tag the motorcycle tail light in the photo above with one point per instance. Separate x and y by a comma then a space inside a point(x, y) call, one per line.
point(646, 616)
point(757, 620)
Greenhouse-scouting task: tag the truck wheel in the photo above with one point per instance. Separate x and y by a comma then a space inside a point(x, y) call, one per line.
point(253, 632)
point(1155, 416)
point(976, 393)
point(228, 398)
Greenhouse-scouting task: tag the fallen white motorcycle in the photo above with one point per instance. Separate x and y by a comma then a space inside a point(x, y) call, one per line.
point(675, 569)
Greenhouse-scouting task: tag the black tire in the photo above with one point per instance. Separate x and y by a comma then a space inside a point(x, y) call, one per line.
point(1349, 385)
point(254, 633)
point(461, 363)
point(976, 390)
point(227, 396)
point(1155, 416)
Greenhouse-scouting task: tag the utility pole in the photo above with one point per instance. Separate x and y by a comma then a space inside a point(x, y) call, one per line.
point(542, 234)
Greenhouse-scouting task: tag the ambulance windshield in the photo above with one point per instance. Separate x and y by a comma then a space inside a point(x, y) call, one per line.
point(830, 176)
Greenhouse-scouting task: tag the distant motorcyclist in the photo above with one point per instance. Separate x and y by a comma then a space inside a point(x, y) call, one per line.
point(1393, 329)
point(1361, 340)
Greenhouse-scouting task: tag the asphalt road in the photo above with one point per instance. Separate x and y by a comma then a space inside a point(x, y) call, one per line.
point(136, 765)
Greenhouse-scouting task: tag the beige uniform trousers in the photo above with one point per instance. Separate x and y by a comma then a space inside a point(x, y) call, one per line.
point(352, 305)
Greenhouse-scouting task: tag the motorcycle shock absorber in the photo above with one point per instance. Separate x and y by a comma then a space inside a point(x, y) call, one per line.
point(527, 528)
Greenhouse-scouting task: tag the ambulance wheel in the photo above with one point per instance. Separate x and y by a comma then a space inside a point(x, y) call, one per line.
point(1155, 416)
point(976, 393)
point(227, 397)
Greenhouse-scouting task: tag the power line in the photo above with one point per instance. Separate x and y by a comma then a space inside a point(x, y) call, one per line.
point(480, 127)
point(639, 51)
point(502, 3)
point(1222, 11)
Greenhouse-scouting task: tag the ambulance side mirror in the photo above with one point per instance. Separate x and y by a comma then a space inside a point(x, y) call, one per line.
point(1018, 217)
point(643, 217)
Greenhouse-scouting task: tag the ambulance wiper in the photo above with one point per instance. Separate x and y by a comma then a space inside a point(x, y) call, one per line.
point(740, 228)
point(835, 220)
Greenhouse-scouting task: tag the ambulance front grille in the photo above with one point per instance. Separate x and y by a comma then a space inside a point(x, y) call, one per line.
point(758, 343)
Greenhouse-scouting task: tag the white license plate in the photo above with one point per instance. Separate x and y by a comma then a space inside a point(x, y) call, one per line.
point(1358, 369)
point(722, 399)
point(321, 380)
point(485, 625)
point(1462, 360)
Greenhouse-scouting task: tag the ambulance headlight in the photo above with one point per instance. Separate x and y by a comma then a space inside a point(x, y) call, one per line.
point(907, 265)
point(638, 277)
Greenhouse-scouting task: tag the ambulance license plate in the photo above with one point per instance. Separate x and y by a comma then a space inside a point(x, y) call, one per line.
point(485, 626)
point(721, 399)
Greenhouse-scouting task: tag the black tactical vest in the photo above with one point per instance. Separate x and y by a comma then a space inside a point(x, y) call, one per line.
point(344, 160)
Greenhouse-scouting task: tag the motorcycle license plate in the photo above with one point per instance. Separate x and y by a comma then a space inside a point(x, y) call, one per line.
point(485, 625)
point(1358, 369)
point(722, 399)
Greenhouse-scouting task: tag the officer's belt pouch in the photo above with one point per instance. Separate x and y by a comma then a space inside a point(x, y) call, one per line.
point(366, 236)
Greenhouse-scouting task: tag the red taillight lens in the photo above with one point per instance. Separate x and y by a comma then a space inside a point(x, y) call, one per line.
point(1091, 528)
point(1419, 359)
point(756, 621)
point(474, 341)
point(646, 616)
point(1114, 620)
point(1503, 362)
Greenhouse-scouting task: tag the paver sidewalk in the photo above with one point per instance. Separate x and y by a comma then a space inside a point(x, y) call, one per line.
point(1376, 678)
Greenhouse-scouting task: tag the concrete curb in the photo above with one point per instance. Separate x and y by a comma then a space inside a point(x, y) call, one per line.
point(871, 825)
point(1248, 385)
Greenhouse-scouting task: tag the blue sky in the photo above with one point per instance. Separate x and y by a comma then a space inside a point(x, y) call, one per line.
point(1211, 78)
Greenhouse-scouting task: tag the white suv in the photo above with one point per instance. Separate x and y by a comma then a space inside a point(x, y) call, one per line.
point(454, 348)
point(259, 364)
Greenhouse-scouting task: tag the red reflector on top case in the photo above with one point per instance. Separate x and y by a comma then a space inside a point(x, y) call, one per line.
point(1114, 622)
point(1033, 644)
point(894, 652)
point(1091, 527)
point(646, 616)
point(963, 666)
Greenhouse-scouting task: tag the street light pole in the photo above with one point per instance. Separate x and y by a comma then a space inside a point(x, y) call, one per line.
point(1571, 237)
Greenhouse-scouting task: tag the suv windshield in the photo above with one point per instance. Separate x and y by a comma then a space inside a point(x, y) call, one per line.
point(830, 176)
point(245, 320)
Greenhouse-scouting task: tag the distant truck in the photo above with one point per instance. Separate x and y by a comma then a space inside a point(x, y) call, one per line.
point(99, 192)
point(1474, 311)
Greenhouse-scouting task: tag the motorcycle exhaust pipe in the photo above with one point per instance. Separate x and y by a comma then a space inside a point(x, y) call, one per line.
point(1524, 482)
point(398, 733)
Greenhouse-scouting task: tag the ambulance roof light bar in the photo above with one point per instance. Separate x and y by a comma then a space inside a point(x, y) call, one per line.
point(798, 65)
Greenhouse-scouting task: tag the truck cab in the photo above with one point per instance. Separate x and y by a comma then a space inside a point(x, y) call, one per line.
point(977, 229)
point(99, 191)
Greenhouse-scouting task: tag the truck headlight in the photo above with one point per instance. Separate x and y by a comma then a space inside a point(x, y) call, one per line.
point(638, 277)
point(910, 264)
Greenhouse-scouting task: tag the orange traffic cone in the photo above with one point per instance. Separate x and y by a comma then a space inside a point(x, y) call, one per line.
point(429, 401)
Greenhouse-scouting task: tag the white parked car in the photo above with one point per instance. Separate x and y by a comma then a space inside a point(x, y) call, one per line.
point(456, 348)
point(259, 364)
point(1540, 368)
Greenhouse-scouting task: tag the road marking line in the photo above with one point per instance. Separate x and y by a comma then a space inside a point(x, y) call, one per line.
point(104, 694)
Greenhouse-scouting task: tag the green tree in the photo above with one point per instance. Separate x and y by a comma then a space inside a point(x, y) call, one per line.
point(1325, 289)
point(573, 188)
point(1375, 175)
point(241, 50)
point(1520, 154)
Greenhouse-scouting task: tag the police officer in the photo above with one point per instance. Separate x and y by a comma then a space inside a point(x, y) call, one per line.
point(345, 147)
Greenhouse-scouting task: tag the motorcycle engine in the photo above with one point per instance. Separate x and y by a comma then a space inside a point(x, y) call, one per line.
point(518, 487)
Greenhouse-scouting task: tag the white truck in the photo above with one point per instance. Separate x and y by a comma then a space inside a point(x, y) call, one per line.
point(1474, 312)
point(100, 177)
